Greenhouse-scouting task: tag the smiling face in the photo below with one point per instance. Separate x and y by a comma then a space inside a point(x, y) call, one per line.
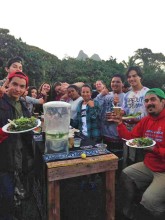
point(58, 89)
point(153, 104)
point(46, 87)
point(133, 79)
point(16, 88)
point(99, 86)
point(86, 93)
point(72, 93)
point(34, 93)
point(116, 85)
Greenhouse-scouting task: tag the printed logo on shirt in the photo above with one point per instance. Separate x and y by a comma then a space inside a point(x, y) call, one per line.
point(155, 135)
point(83, 113)
point(135, 102)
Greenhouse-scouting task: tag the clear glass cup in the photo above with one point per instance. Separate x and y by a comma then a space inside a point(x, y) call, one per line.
point(36, 114)
point(101, 147)
point(77, 142)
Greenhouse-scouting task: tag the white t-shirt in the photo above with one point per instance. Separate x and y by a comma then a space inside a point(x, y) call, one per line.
point(74, 104)
point(83, 118)
point(134, 102)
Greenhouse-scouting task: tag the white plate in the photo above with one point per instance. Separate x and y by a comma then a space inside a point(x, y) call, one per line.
point(135, 146)
point(5, 127)
point(129, 117)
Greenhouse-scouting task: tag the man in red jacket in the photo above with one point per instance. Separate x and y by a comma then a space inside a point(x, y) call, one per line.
point(147, 176)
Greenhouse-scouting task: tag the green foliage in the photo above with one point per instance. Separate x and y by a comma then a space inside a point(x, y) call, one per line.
point(42, 66)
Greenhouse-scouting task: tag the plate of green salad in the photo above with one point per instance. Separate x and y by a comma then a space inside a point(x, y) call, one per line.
point(131, 116)
point(143, 142)
point(21, 125)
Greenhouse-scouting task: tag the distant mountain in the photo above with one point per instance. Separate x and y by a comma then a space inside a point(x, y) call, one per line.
point(95, 57)
point(84, 56)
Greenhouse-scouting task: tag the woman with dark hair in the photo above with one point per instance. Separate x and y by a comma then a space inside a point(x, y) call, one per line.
point(30, 99)
point(75, 98)
point(32, 92)
point(44, 92)
point(56, 91)
point(87, 119)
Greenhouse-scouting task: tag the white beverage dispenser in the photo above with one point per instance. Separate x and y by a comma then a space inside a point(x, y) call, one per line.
point(56, 121)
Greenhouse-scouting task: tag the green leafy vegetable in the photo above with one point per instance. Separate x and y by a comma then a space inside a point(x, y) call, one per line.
point(132, 115)
point(23, 123)
point(142, 142)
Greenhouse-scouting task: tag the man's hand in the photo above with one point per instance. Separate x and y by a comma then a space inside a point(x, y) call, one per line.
point(111, 116)
point(64, 87)
point(3, 89)
point(105, 91)
point(116, 99)
point(41, 101)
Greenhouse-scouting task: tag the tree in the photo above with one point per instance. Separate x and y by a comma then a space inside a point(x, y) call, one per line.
point(4, 31)
point(132, 61)
point(148, 58)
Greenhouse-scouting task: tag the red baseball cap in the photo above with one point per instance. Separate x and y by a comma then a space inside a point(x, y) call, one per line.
point(20, 75)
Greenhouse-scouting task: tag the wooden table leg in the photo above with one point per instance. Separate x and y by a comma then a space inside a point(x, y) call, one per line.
point(110, 195)
point(54, 200)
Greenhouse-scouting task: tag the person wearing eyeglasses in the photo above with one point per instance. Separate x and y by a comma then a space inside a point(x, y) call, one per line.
point(147, 176)
point(16, 154)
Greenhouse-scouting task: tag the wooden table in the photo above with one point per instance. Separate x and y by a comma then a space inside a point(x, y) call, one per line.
point(59, 170)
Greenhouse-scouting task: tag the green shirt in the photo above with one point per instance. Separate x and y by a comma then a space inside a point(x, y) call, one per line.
point(18, 108)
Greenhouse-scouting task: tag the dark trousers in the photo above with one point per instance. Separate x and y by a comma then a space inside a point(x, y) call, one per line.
point(6, 196)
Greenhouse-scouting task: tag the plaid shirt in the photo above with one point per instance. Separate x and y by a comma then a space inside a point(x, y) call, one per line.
point(92, 120)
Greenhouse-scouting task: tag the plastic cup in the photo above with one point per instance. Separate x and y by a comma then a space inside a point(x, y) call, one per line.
point(101, 147)
point(117, 110)
point(71, 142)
point(36, 115)
point(77, 142)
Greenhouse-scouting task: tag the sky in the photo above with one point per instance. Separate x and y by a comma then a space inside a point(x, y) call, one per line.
point(108, 28)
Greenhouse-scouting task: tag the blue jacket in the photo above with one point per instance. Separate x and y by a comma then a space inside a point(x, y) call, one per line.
point(92, 120)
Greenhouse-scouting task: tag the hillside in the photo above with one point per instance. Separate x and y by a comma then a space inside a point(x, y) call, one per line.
point(42, 66)
point(83, 56)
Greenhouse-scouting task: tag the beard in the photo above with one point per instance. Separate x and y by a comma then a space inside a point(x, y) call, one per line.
point(152, 113)
point(151, 107)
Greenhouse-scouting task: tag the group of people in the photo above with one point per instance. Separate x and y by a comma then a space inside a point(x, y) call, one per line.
point(92, 113)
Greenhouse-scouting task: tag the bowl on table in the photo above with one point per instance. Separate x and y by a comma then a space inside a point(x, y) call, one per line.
point(101, 147)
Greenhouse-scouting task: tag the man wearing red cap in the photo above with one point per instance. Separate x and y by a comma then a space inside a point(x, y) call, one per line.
point(16, 154)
